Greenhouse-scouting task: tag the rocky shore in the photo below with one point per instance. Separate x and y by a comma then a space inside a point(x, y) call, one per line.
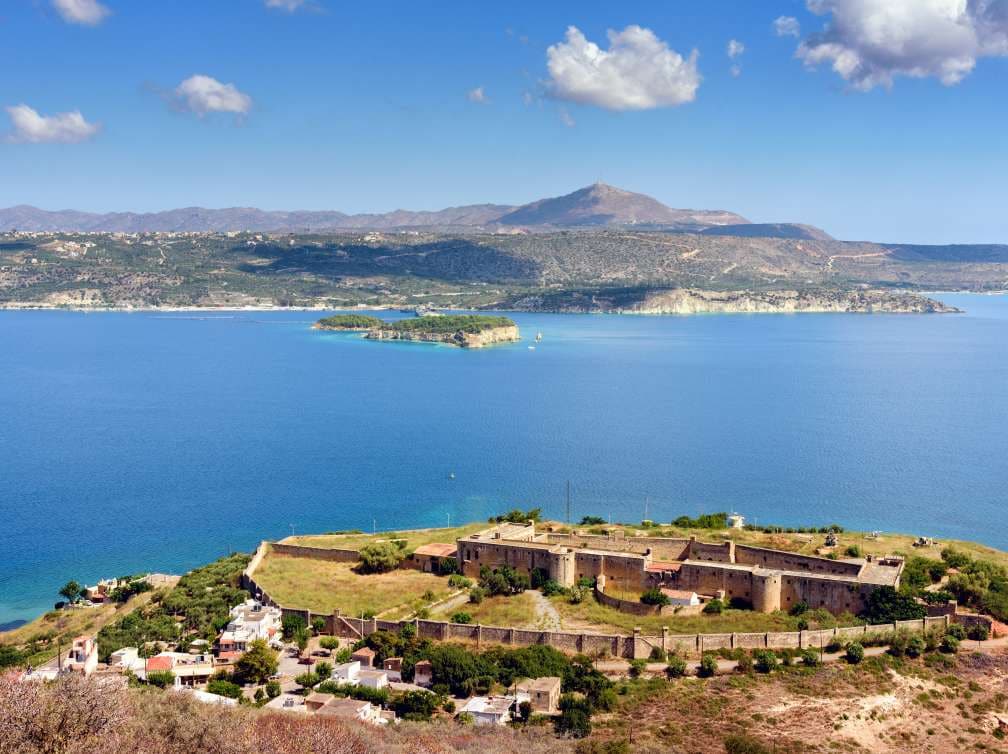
point(697, 301)
point(489, 337)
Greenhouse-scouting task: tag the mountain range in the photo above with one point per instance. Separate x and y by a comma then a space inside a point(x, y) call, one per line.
point(596, 206)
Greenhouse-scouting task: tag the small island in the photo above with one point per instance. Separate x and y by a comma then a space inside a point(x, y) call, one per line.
point(349, 323)
point(462, 330)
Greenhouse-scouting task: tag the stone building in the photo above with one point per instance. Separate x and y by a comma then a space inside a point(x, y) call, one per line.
point(767, 579)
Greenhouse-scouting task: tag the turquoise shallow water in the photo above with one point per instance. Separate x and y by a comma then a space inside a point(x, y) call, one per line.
point(158, 441)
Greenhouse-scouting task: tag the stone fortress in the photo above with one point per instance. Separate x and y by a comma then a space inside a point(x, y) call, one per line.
point(767, 579)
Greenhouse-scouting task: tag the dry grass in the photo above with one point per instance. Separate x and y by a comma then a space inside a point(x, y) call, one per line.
point(322, 586)
point(516, 612)
point(604, 619)
point(414, 537)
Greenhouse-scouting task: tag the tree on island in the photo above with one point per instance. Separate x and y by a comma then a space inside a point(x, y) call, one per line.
point(258, 663)
point(886, 605)
point(71, 591)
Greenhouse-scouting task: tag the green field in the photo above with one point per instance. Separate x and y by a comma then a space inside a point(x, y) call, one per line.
point(515, 612)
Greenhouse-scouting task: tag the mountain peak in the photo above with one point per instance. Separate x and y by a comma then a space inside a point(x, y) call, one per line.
point(601, 204)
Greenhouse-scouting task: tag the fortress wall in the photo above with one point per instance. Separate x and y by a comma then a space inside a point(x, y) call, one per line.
point(318, 553)
point(784, 639)
point(751, 641)
point(709, 579)
point(622, 570)
point(835, 596)
point(494, 553)
point(785, 561)
point(718, 553)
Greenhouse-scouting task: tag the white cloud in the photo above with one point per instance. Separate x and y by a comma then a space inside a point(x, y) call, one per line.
point(638, 72)
point(871, 42)
point(736, 70)
point(735, 48)
point(787, 26)
point(86, 12)
point(68, 128)
point(288, 5)
point(528, 99)
point(203, 94)
point(478, 95)
point(566, 119)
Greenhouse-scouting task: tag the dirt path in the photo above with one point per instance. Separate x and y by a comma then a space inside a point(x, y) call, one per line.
point(547, 616)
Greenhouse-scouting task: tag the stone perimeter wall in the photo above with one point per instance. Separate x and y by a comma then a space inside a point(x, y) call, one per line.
point(636, 646)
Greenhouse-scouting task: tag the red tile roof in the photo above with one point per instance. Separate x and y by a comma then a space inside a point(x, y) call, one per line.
point(159, 662)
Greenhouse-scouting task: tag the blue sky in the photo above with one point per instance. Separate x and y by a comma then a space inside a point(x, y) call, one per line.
point(875, 122)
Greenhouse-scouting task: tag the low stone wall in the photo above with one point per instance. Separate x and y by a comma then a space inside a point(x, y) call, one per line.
point(626, 606)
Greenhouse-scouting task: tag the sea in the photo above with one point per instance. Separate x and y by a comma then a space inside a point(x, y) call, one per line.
point(157, 441)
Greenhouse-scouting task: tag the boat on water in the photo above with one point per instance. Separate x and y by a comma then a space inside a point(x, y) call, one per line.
point(538, 337)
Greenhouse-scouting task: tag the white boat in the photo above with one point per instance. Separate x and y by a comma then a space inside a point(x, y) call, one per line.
point(538, 337)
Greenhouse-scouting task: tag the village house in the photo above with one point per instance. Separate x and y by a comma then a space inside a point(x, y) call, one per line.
point(354, 709)
point(684, 597)
point(353, 674)
point(250, 621)
point(365, 656)
point(428, 558)
point(189, 670)
point(82, 657)
point(393, 668)
point(423, 674)
point(543, 694)
point(490, 710)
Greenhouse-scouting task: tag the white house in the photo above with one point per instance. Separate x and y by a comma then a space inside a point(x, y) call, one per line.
point(250, 620)
point(352, 674)
point(490, 710)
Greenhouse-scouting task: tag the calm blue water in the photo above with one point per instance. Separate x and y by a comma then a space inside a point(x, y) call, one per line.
point(153, 441)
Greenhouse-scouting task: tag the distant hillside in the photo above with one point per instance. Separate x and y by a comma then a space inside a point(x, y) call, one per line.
point(602, 204)
point(594, 206)
point(796, 231)
point(198, 219)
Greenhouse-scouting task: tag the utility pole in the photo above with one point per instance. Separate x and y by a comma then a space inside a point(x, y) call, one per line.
point(568, 503)
point(647, 501)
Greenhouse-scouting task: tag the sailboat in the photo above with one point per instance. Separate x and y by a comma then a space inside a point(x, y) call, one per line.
point(538, 337)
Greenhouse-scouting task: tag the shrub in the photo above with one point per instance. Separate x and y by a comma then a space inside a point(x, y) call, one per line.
point(854, 653)
point(273, 689)
point(765, 661)
point(329, 642)
point(949, 644)
point(292, 625)
point(448, 567)
point(459, 581)
point(978, 632)
point(551, 587)
point(916, 646)
point(308, 680)
point(592, 521)
point(461, 617)
point(676, 667)
point(465, 718)
point(708, 665)
point(898, 643)
point(318, 625)
point(637, 668)
point(476, 595)
point(575, 716)
point(379, 557)
point(416, 705)
point(741, 743)
point(798, 608)
point(657, 654)
point(957, 630)
point(161, 678)
point(853, 551)
point(744, 663)
point(810, 658)
point(714, 607)
point(833, 647)
point(224, 688)
point(655, 596)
